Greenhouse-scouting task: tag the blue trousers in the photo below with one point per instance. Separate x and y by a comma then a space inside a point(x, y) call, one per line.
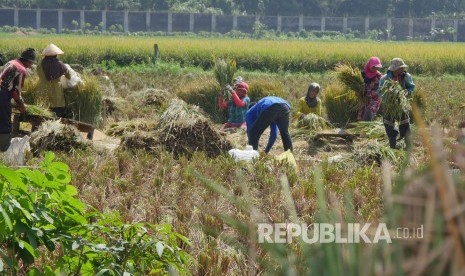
point(276, 113)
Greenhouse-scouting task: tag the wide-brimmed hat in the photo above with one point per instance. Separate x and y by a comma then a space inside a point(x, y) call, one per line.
point(52, 50)
point(29, 54)
point(396, 64)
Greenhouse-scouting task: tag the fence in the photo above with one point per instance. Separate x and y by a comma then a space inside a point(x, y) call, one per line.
point(150, 21)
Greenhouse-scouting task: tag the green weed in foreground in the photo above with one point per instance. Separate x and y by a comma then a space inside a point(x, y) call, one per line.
point(45, 229)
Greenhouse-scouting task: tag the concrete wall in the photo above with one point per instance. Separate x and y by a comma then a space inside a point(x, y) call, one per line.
point(147, 21)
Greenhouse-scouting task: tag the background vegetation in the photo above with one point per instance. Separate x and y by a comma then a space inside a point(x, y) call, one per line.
point(398, 8)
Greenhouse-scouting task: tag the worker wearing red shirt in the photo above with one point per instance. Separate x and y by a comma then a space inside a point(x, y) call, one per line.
point(11, 85)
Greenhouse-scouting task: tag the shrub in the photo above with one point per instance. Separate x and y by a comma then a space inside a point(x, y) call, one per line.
point(260, 89)
point(206, 97)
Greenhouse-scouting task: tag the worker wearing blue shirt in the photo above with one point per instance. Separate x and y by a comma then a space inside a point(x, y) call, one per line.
point(273, 112)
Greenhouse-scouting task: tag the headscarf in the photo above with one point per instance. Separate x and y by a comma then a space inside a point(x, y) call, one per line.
point(373, 62)
point(312, 102)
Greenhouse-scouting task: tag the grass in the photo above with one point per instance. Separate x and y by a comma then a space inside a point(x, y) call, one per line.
point(264, 55)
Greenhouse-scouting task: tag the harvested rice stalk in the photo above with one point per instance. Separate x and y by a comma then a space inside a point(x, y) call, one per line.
point(85, 100)
point(312, 122)
point(351, 77)
point(341, 105)
point(152, 97)
point(394, 100)
point(184, 130)
point(36, 110)
point(55, 136)
point(140, 140)
point(372, 130)
point(122, 128)
point(372, 151)
point(224, 70)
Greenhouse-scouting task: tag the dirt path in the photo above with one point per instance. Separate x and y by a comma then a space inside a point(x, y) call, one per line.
point(102, 141)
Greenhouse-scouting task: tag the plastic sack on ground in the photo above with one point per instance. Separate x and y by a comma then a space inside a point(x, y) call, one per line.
point(288, 157)
point(73, 81)
point(247, 155)
point(16, 153)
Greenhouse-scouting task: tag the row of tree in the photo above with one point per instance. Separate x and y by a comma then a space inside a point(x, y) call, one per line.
point(392, 8)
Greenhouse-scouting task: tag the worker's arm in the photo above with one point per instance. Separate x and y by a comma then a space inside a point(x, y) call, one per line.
point(238, 102)
point(16, 95)
point(409, 84)
point(272, 139)
point(222, 103)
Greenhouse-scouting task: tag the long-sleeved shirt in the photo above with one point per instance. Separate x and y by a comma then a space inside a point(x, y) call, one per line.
point(12, 80)
point(303, 107)
point(49, 82)
point(236, 107)
point(255, 111)
point(406, 82)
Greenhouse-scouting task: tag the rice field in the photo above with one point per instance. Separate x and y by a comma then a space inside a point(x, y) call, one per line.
point(265, 55)
point(217, 203)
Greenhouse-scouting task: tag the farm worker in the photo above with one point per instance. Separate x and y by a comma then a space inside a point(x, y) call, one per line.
point(270, 112)
point(237, 105)
point(371, 77)
point(397, 72)
point(50, 70)
point(311, 103)
point(11, 85)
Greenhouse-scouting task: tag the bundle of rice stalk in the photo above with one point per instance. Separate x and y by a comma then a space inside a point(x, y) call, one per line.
point(122, 128)
point(30, 94)
point(395, 103)
point(140, 140)
point(152, 97)
point(85, 101)
point(224, 70)
point(341, 105)
point(351, 77)
point(55, 136)
point(312, 121)
point(372, 151)
point(36, 110)
point(183, 129)
point(371, 130)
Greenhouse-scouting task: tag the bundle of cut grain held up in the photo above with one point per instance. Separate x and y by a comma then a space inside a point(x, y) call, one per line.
point(351, 78)
point(395, 102)
point(224, 70)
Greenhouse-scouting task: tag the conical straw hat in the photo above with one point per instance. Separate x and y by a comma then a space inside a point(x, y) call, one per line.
point(52, 50)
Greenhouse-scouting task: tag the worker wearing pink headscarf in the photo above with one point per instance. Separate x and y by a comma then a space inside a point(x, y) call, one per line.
point(371, 77)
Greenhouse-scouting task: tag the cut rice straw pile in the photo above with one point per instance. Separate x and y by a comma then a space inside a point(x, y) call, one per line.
point(183, 129)
point(55, 136)
point(122, 128)
point(313, 122)
point(371, 130)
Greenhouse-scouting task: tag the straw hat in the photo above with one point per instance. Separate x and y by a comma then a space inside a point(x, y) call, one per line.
point(52, 50)
point(396, 64)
